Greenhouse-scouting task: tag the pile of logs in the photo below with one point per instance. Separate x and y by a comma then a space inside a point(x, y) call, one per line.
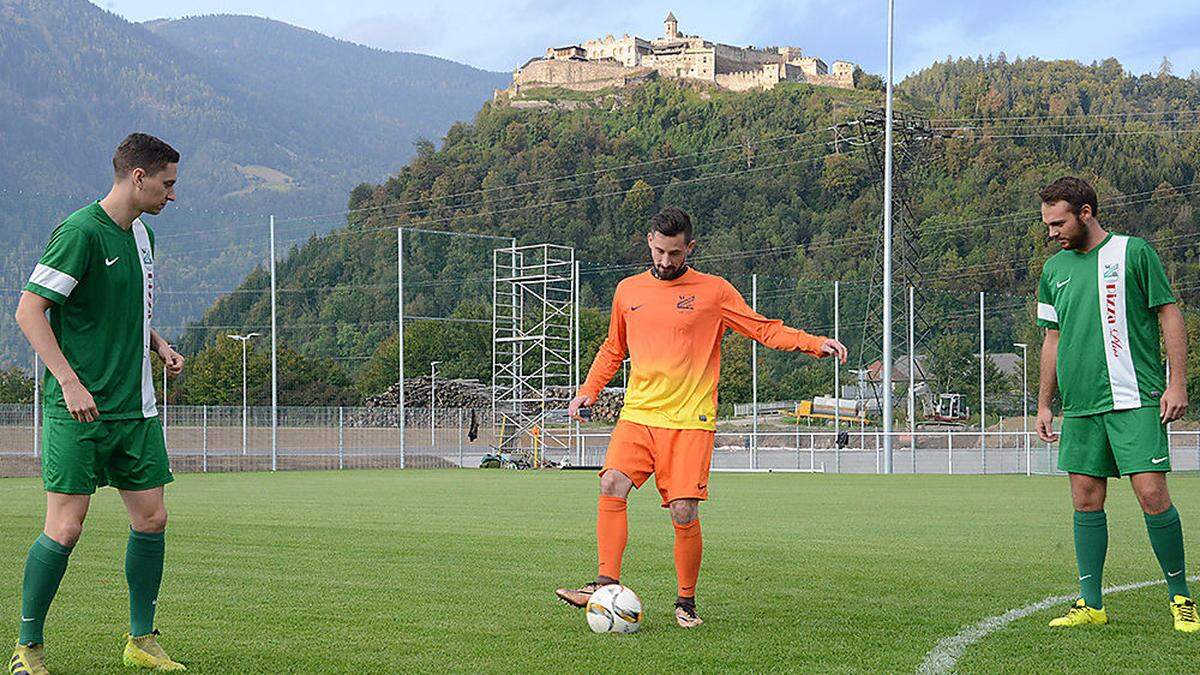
point(450, 394)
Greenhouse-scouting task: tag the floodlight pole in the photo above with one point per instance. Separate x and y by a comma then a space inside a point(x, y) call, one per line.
point(400, 334)
point(982, 384)
point(274, 362)
point(754, 378)
point(887, 257)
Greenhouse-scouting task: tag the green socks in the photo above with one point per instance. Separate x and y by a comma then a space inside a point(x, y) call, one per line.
point(1091, 545)
point(143, 572)
point(1166, 536)
point(44, 569)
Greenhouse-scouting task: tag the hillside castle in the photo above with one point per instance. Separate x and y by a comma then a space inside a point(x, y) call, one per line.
point(616, 62)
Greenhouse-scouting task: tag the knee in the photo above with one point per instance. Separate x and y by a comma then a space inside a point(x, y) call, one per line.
point(684, 511)
point(153, 522)
point(614, 484)
point(1154, 500)
point(1089, 501)
point(66, 532)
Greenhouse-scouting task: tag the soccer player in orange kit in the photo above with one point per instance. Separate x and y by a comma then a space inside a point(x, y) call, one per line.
point(670, 320)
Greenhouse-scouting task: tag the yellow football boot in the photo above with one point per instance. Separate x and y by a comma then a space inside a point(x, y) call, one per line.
point(1081, 615)
point(1183, 609)
point(28, 660)
point(144, 652)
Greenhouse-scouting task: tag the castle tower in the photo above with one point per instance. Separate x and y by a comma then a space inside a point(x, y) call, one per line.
point(671, 26)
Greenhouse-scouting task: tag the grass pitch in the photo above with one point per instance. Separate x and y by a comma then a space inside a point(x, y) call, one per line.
point(420, 571)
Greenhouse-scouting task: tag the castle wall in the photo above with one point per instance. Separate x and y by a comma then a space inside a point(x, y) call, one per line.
point(746, 55)
point(627, 50)
point(614, 62)
point(745, 80)
point(577, 75)
point(693, 64)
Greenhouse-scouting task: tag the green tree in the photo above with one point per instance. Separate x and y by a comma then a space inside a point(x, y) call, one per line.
point(16, 386)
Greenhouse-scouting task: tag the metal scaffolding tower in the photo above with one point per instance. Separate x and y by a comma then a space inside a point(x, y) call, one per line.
point(915, 149)
point(533, 338)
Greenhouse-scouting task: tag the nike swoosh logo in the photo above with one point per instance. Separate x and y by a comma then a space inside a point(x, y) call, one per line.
point(636, 307)
point(1085, 577)
point(1159, 460)
point(1174, 574)
point(1063, 283)
point(27, 619)
point(109, 263)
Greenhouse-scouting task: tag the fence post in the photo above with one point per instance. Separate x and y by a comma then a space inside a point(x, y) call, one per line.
point(460, 435)
point(950, 452)
point(812, 451)
point(341, 438)
point(983, 449)
point(204, 439)
point(876, 435)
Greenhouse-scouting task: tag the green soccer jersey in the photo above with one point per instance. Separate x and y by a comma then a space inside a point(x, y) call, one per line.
point(1103, 303)
point(101, 281)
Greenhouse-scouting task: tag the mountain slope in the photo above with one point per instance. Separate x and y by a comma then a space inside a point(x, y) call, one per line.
point(769, 196)
point(270, 119)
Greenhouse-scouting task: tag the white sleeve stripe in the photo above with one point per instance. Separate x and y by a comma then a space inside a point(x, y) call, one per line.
point(59, 282)
point(1047, 312)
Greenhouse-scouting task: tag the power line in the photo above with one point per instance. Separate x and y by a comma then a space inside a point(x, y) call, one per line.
point(1067, 116)
point(737, 146)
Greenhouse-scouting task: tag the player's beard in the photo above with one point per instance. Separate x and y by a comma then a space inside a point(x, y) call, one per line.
point(669, 275)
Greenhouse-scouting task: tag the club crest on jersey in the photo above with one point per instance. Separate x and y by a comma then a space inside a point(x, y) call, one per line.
point(687, 302)
point(1111, 279)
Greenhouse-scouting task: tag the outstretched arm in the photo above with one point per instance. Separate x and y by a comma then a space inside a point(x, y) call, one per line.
point(608, 360)
point(739, 317)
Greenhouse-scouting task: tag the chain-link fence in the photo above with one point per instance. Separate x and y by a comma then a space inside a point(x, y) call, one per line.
point(220, 438)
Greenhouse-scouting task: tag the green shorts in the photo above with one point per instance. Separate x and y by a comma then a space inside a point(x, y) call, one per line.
point(78, 457)
point(1115, 443)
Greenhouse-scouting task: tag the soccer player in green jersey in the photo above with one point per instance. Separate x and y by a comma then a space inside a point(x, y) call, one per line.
point(101, 426)
point(1105, 303)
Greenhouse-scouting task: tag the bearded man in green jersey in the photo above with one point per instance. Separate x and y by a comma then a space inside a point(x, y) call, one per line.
point(1105, 303)
point(101, 426)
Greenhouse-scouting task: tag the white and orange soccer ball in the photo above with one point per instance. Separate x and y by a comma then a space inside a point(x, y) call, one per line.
point(614, 609)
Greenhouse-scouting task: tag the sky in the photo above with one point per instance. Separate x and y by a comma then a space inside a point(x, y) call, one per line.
point(501, 36)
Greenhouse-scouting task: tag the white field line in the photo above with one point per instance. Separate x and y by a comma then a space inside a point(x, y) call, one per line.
point(943, 658)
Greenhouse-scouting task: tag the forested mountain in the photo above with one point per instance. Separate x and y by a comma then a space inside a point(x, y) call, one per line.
point(771, 193)
point(270, 119)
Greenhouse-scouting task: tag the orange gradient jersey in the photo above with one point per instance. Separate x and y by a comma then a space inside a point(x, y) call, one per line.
point(671, 331)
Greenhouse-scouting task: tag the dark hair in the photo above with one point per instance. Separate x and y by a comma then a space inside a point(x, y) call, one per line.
point(670, 222)
point(145, 152)
point(1074, 191)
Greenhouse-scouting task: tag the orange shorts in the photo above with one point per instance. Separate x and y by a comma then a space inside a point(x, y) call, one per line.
point(678, 458)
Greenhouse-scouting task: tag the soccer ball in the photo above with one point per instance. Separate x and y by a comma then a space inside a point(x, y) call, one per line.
point(614, 609)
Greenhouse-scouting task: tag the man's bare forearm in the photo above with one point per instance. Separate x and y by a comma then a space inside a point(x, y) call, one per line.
point(31, 317)
point(1048, 380)
point(1174, 333)
point(156, 341)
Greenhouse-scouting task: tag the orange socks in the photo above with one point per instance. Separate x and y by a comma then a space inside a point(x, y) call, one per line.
point(612, 533)
point(688, 549)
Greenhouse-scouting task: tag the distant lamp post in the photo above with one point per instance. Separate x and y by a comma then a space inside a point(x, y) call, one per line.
point(1025, 399)
point(432, 403)
point(244, 339)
